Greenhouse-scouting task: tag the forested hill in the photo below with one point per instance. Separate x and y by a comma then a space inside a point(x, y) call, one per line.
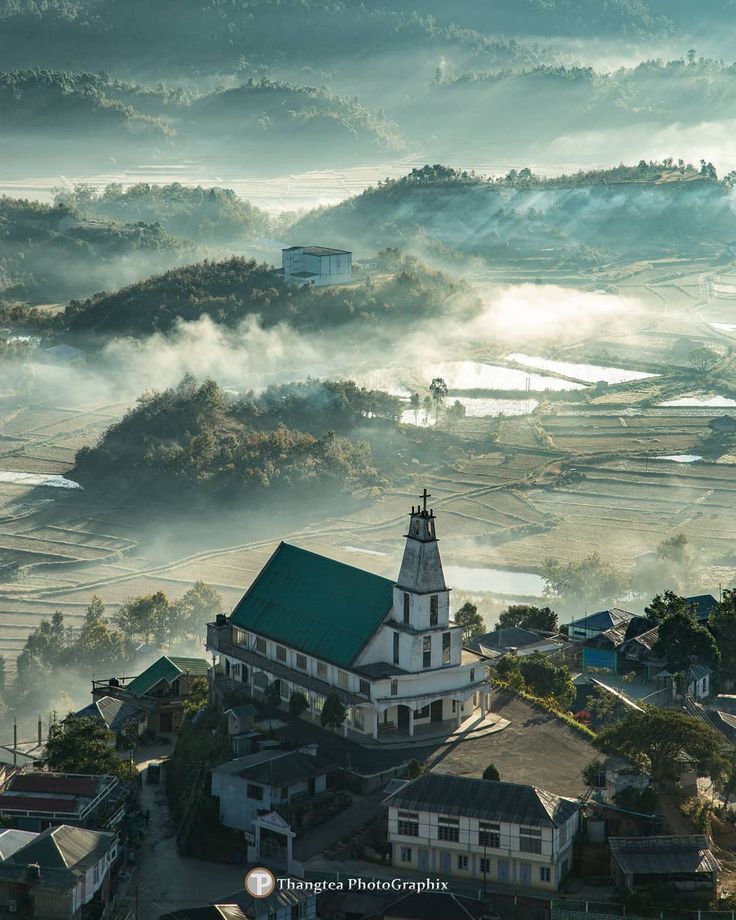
point(195, 441)
point(234, 289)
point(74, 120)
point(50, 253)
point(640, 211)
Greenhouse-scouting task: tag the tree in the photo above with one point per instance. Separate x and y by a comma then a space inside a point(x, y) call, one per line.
point(674, 549)
point(662, 740)
point(438, 394)
point(98, 646)
point(703, 359)
point(491, 773)
point(589, 580)
point(198, 606)
point(272, 696)
point(546, 679)
point(199, 695)
point(333, 712)
point(2, 675)
point(528, 617)
point(47, 643)
point(470, 620)
point(150, 616)
point(415, 402)
point(683, 641)
point(427, 406)
point(723, 626)
point(667, 605)
point(414, 769)
point(298, 704)
point(79, 744)
point(455, 413)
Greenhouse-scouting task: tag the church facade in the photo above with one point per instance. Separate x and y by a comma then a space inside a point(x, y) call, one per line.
point(389, 650)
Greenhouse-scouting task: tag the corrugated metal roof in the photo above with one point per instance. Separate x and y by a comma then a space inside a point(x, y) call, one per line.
point(277, 768)
point(478, 798)
point(167, 669)
point(314, 604)
point(54, 783)
point(64, 847)
point(603, 619)
point(12, 840)
point(663, 855)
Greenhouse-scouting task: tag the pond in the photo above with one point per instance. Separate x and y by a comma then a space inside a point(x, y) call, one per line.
point(474, 375)
point(590, 372)
point(475, 407)
point(681, 458)
point(37, 479)
point(494, 581)
point(703, 401)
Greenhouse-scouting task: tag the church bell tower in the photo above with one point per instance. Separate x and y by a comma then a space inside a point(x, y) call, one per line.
point(421, 597)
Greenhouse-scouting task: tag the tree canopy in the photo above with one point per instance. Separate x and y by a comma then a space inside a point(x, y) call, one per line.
point(527, 616)
point(82, 745)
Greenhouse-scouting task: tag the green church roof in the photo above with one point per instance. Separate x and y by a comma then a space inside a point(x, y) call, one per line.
point(168, 669)
point(314, 604)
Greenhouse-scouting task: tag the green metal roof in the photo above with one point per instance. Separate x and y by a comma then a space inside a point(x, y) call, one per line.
point(167, 669)
point(314, 604)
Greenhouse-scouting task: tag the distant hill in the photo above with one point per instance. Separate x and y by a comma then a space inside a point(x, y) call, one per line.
point(231, 290)
point(210, 215)
point(49, 254)
point(62, 121)
point(630, 212)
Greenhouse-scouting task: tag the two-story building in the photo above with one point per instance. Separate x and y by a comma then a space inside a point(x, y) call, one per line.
point(37, 800)
point(317, 265)
point(505, 833)
point(58, 873)
point(387, 649)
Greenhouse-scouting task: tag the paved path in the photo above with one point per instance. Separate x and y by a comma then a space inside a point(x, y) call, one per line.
point(164, 881)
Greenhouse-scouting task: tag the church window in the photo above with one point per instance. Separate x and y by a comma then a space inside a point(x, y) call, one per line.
point(472, 675)
point(342, 679)
point(240, 637)
point(446, 645)
point(280, 653)
point(358, 718)
point(407, 601)
point(322, 670)
point(530, 840)
point(427, 652)
point(396, 648)
point(365, 687)
point(261, 645)
point(448, 829)
point(394, 688)
point(301, 661)
point(434, 610)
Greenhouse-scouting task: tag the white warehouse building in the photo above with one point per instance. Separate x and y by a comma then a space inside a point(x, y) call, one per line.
point(317, 265)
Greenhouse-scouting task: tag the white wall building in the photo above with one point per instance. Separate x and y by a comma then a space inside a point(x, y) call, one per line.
point(506, 833)
point(388, 649)
point(317, 265)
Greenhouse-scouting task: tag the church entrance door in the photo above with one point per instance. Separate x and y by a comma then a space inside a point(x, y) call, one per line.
point(436, 711)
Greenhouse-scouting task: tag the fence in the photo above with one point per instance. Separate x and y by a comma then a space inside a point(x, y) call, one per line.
point(603, 910)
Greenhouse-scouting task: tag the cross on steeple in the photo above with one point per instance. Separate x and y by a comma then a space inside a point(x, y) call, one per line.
point(424, 496)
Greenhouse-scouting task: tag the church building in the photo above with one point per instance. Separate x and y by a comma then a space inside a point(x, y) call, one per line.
point(389, 650)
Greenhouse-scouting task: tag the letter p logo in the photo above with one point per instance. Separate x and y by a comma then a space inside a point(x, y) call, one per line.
point(260, 883)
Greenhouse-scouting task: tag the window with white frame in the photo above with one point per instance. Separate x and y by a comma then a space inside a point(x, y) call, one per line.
point(530, 840)
point(427, 652)
point(434, 610)
point(544, 874)
point(407, 607)
point(489, 835)
point(342, 679)
point(462, 862)
point(280, 653)
point(240, 637)
point(408, 823)
point(365, 687)
point(405, 854)
point(446, 647)
point(394, 688)
point(358, 718)
point(448, 829)
point(301, 661)
point(261, 645)
point(485, 864)
point(321, 670)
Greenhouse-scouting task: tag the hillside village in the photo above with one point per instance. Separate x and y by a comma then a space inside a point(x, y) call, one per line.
point(339, 725)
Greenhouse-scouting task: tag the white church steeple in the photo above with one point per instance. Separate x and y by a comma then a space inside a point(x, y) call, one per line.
point(421, 568)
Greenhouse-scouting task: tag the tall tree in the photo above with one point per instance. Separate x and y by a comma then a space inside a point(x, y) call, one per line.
point(415, 402)
point(81, 745)
point(98, 646)
point(591, 580)
point(662, 741)
point(683, 642)
point(666, 605)
point(723, 626)
point(527, 616)
point(198, 606)
point(438, 394)
point(333, 712)
point(470, 620)
point(546, 679)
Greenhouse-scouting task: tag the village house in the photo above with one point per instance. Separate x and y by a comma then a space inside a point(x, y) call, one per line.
point(37, 800)
point(160, 691)
point(606, 649)
point(387, 649)
point(595, 623)
point(516, 641)
point(280, 905)
point(58, 873)
point(316, 265)
point(506, 833)
point(681, 863)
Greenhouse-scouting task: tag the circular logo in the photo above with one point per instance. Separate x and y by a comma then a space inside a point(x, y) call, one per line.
point(260, 883)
